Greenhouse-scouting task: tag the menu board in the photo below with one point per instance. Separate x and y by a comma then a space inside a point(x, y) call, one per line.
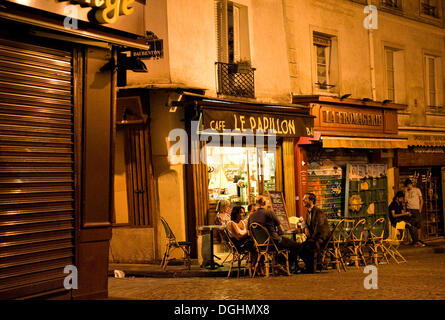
point(279, 208)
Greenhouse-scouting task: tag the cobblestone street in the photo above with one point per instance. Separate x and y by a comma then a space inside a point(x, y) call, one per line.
point(422, 277)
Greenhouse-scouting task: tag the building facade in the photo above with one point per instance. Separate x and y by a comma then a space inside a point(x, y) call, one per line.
point(387, 56)
point(58, 67)
point(368, 76)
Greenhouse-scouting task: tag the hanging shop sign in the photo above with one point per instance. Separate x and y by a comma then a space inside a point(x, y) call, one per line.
point(155, 50)
point(257, 123)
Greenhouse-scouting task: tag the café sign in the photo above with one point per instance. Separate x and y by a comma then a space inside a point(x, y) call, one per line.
point(258, 123)
point(123, 15)
point(107, 11)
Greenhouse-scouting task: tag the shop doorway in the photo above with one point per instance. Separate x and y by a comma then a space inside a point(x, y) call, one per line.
point(429, 181)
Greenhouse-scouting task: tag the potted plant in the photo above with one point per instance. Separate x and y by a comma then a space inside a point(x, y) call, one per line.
point(244, 66)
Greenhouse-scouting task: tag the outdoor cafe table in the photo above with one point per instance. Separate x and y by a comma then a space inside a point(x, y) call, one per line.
point(212, 255)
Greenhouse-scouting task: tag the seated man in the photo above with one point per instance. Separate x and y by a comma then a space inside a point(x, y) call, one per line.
point(397, 214)
point(269, 220)
point(317, 231)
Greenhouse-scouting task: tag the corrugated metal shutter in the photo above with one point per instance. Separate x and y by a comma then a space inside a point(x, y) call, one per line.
point(36, 168)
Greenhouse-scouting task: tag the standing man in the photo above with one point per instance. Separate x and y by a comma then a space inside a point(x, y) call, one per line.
point(269, 220)
point(414, 205)
point(317, 231)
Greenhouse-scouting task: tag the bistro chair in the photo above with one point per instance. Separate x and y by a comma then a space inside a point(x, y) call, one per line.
point(267, 248)
point(376, 243)
point(392, 245)
point(237, 255)
point(172, 243)
point(333, 246)
point(355, 241)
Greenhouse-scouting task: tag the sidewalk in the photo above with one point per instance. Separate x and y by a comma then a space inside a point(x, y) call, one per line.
point(176, 269)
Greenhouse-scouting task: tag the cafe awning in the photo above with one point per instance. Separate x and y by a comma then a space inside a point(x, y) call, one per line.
point(364, 143)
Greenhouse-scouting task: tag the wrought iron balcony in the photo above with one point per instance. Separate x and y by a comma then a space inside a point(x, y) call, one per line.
point(236, 80)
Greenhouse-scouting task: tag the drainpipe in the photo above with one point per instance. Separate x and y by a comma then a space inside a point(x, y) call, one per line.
point(372, 59)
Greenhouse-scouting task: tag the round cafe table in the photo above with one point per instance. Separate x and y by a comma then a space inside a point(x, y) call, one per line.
point(212, 255)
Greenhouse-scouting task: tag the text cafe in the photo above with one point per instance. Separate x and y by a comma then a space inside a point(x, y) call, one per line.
point(58, 101)
point(249, 151)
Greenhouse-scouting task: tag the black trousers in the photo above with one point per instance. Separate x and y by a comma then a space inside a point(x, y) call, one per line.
point(310, 253)
point(293, 247)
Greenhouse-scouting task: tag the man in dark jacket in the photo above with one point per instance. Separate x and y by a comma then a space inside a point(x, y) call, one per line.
point(317, 232)
point(269, 220)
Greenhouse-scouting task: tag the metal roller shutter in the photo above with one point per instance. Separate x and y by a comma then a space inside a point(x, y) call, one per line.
point(36, 168)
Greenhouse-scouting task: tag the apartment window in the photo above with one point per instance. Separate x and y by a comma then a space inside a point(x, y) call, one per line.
point(390, 74)
point(325, 61)
point(395, 75)
point(232, 32)
point(429, 8)
point(431, 77)
point(397, 4)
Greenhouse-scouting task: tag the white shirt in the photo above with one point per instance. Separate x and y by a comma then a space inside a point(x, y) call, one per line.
point(413, 198)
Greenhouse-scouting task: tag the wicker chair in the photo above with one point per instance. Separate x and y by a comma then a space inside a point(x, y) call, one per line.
point(355, 241)
point(237, 255)
point(267, 248)
point(376, 243)
point(172, 243)
point(333, 246)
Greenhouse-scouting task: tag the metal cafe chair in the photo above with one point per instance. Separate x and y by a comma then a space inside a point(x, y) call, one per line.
point(355, 241)
point(266, 248)
point(172, 243)
point(237, 255)
point(334, 246)
point(392, 245)
point(376, 243)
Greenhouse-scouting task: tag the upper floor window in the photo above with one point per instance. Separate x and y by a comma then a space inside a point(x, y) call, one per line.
point(432, 86)
point(395, 75)
point(429, 8)
point(325, 62)
point(397, 4)
point(232, 32)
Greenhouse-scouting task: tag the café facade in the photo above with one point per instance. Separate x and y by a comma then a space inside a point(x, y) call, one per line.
point(350, 162)
point(58, 70)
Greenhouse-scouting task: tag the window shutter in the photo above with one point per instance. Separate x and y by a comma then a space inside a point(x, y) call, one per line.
point(221, 29)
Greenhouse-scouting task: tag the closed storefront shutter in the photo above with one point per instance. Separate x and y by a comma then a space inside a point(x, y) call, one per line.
point(36, 168)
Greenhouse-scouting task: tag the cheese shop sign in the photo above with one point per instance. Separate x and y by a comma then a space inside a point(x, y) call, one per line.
point(258, 123)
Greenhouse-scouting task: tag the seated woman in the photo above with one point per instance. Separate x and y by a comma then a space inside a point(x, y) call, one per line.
point(237, 228)
point(397, 214)
point(223, 212)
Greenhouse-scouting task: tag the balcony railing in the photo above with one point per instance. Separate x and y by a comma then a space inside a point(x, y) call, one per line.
point(235, 80)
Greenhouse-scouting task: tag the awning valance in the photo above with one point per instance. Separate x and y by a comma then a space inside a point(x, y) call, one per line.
point(364, 143)
point(425, 139)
